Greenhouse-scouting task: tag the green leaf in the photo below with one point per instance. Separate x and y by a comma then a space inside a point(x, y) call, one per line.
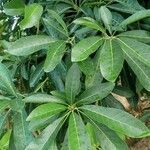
point(36, 75)
point(89, 22)
point(123, 91)
point(46, 110)
point(17, 104)
point(140, 69)
point(3, 105)
point(57, 80)
point(111, 60)
point(58, 94)
point(6, 80)
point(24, 71)
point(65, 142)
point(4, 98)
point(55, 26)
point(42, 98)
point(110, 101)
point(32, 16)
point(77, 135)
point(54, 55)
point(106, 17)
point(21, 134)
point(3, 119)
point(95, 93)
point(108, 138)
point(4, 142)
point(92, 135)
point(137, 49)
point(14, 7)
point(116, 20)
point(44, 141)
point(136, 17)
point(86, 47)
point(122, 8)
point(139, 35)
point(53, 146)
point(72, 84)
point(87, 66)
point(40, 123)
point(117, 120)
point(90, 67)
point(11, 142)
point(59, 20)
point(130, 5)
point(28, 45)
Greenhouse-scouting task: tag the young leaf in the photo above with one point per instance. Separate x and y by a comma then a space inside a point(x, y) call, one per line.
point(54, 55)
point(85, 47)
point(111, 60)
point(106, 17)
point(139, 35)
point(137, 49)
point(44, 141)
point(77, 135)
point(28, 45)
point(32, 16)
point(6, 80)
point(95, 93)
point(46, 110)
point(21, 134)
point(89, 22)
point(72, 85)
point(14, 7)
point(135, 17)
point(117, 120)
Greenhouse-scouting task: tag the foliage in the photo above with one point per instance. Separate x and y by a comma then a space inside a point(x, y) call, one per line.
point(62, 62)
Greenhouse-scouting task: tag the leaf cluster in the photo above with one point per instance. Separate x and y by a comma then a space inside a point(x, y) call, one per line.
point(65, 66)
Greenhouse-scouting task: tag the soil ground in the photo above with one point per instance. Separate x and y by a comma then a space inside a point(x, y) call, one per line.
point(143, 144)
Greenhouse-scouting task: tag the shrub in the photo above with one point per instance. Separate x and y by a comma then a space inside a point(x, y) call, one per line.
point(66, 69)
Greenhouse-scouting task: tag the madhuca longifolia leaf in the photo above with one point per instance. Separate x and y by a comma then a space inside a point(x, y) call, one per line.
point(61, 64)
